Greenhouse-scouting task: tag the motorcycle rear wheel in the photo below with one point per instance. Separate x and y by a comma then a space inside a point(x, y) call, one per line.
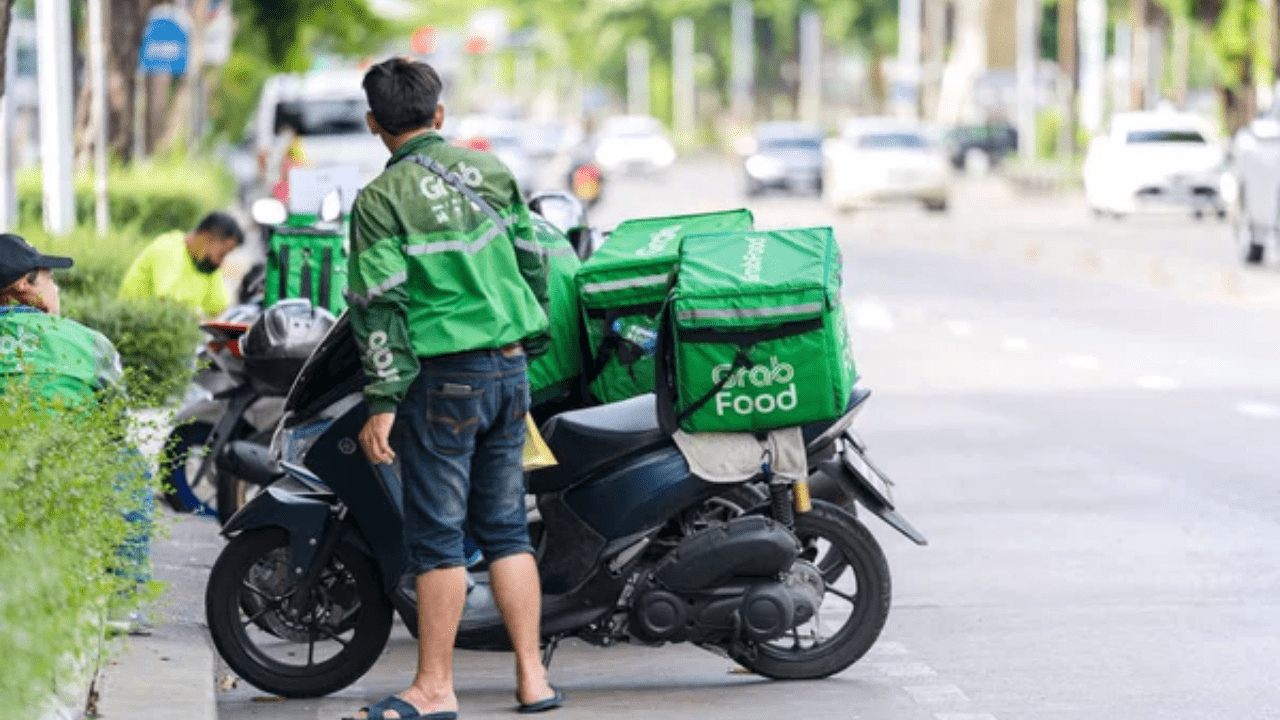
point(347, 618)
point(858, 596)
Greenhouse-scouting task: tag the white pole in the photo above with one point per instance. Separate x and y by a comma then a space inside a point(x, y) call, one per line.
point(811, 67)
point(53, 46)
point(684, 92)
point(744, 60)
point(910, 18)
point(1026, 75)
point(1092, 16)
point(8, 183)
point(98, 63)
point(638, 77)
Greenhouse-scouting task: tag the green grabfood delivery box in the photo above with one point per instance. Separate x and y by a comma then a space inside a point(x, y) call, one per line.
point(753, 336)
point(622, 287)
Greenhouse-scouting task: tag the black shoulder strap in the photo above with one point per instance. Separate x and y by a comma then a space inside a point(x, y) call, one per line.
point(457, 183)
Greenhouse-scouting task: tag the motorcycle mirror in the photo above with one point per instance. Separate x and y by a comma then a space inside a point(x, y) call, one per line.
point(331, 206)
point(560, 209)
point(268, 211)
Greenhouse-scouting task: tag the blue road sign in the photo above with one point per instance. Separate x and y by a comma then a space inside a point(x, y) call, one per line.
point(164, 48)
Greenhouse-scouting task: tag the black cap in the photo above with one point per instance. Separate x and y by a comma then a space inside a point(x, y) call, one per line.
point(17, 258)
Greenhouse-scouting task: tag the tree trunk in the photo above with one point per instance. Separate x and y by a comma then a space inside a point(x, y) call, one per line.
point(1069, 78)
point(6, 10)
point(126, 22)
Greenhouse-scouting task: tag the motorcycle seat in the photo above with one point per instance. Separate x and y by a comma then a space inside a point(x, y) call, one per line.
point(585, 440)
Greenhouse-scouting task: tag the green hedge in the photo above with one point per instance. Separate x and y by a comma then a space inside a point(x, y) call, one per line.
point(153, 197)
point(156, 339)
point(64, 482)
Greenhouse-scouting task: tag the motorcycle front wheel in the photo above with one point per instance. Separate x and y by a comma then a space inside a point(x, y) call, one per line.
point(338, 635)
point(854, 606)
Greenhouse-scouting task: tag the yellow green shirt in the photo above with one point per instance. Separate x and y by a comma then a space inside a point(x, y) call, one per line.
point(166, 270)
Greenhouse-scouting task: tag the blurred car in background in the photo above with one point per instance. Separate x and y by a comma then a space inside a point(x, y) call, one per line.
point(319, 117)
point(501, 137)
point(547, 139)
point(633, 144)
point(1255, 154)
point(884, 159)
point(784, 156)
point(1158, 159)
point(978, 147)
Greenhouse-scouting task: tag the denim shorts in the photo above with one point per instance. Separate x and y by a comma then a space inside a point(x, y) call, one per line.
point(460, 440)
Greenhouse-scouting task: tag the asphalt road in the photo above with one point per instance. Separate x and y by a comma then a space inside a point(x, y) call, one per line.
point(1079, 414)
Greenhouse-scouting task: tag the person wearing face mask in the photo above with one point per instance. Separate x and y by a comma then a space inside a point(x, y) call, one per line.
point(187, 267)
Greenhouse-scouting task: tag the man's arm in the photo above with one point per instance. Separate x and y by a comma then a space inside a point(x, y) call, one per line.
point(218, 298)
point(379, 305)
point(533, 268)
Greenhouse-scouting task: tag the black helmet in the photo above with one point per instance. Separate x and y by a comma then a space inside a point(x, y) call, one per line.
point(280, 341)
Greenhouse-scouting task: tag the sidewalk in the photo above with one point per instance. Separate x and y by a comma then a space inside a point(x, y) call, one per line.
point(168, 675)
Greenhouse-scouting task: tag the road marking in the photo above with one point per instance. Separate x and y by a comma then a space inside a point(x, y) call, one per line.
point(888, 648)
point(1016, 344)
point(962, 328)
point(1158, 383)
point(963, 716)
point(1260, 410)
point(1081, 362)
point(930, 694)
point(907, 669)
point(872, 314)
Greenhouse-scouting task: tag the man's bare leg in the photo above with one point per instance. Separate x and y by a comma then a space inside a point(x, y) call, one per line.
point(519, 595)
point(442, 595)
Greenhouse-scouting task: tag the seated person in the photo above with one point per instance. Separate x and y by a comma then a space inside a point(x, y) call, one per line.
point(187, 267)
point(64, 362)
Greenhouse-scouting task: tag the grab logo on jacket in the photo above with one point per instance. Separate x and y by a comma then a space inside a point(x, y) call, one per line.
point(19, 343)
point(774, 376)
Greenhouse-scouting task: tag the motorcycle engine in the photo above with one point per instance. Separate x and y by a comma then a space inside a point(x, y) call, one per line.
point(762, 599)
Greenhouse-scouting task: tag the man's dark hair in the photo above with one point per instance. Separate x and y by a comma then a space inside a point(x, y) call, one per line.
point(221, 225)
point(402, 94)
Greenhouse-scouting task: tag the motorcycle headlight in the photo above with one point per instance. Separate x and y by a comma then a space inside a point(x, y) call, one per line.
point(765, 167)
point(295, 437)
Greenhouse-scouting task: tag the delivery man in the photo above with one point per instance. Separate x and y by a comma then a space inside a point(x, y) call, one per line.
point(448, 300)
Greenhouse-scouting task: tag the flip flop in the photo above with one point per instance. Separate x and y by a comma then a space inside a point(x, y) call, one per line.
point(550, 703)
point(406, 711)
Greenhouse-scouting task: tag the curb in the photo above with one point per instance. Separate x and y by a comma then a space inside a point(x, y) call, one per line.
point(165, 678)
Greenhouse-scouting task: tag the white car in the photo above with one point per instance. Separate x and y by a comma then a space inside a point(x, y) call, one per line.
point(1255, 151)
point(1155, 159)
point(633, 143)
point(884, 159)
point(326, 109)
point(501, 137)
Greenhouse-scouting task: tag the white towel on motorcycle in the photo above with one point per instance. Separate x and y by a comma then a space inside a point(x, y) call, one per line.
point(736, 457)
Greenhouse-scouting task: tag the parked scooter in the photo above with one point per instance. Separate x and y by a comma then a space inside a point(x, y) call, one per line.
point(631, 547)
point(220, 368)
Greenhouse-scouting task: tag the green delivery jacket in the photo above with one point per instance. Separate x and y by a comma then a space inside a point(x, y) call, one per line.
point(65, 362)
point(429, 274)
point(553, 374)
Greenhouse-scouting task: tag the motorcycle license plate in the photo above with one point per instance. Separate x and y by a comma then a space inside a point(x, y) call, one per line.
point(861, 468)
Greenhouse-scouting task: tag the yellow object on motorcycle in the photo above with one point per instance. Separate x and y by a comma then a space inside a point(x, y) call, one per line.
point(536, 453)
point(801, 493)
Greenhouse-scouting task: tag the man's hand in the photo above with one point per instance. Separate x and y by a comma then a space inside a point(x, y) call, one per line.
point(375, 438)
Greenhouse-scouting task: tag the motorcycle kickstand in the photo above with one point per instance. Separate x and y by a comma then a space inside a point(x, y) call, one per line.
point(549, 650)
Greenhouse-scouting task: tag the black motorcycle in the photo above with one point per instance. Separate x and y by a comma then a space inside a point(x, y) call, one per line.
point(631, 547)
